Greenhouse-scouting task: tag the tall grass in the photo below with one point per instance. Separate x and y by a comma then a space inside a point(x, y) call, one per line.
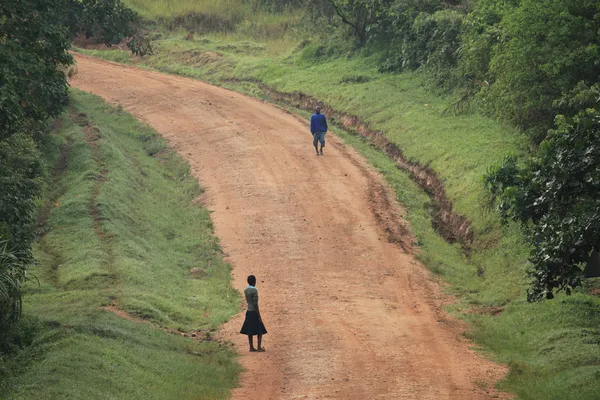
point(231, 16)
point(12, 275)
point(236, 9)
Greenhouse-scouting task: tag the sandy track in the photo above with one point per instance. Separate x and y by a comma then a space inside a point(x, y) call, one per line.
point(350, 315)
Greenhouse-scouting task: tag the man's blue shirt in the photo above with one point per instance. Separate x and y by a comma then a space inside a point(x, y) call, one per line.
point(318, 123)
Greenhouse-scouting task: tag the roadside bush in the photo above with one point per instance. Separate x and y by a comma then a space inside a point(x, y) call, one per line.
point(416, 33)
point(544, 49)
point(481, 33)
point(141, 45)
point(437, 43)
point(360, 16)
point(108, 21)
point(21, 171)
point(12, 275)
point(555, 196)
point(35, 35)
point(32, 87)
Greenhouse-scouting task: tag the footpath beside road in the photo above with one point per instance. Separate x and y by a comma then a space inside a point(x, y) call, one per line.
point(351, 314)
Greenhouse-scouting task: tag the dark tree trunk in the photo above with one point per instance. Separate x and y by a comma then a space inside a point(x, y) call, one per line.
point(592, 268)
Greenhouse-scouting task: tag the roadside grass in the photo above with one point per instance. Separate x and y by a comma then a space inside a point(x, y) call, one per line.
point(170, 8)
point(551, 347)
point(122, 230)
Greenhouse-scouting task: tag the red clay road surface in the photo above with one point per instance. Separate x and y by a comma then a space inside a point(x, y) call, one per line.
point(351, 314)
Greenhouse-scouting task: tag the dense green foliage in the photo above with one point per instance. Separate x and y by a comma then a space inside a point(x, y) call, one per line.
point(34, 38)
point(34, 42)
point(12, 275)
point(108, 21)
point(545, 60)
point(20, 182)
point(556, 196)
point(20, 177)
point(544, 50)
point(361, 16)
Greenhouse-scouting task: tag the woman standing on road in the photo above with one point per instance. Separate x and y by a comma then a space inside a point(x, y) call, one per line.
point(253, 324)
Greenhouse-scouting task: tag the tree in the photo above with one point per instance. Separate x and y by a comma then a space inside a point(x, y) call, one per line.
point(33, 46)
point(34, 38)
point(543, 49)
point(360, 15)
point(107, 21)
point(556, 198)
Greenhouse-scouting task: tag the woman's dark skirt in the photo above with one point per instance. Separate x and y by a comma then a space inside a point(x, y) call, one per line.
point(253, 325)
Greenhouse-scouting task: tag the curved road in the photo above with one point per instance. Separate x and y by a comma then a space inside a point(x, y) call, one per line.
point(351, 314)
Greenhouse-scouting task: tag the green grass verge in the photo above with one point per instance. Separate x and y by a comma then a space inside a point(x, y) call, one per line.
point(551, 347)
point(122, 229)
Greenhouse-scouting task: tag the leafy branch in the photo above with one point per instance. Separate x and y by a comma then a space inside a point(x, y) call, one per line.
point(555, 196)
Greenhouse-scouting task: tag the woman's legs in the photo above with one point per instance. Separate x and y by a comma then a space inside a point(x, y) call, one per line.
point(250, 341)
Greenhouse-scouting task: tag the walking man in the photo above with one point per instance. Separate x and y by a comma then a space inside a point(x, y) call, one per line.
point(318, 128)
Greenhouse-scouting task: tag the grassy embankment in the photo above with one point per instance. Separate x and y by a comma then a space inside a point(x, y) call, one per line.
point(551, 347)
point(120, 228)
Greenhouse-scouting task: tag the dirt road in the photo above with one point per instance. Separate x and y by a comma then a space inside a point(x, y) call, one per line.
point(350, 313)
